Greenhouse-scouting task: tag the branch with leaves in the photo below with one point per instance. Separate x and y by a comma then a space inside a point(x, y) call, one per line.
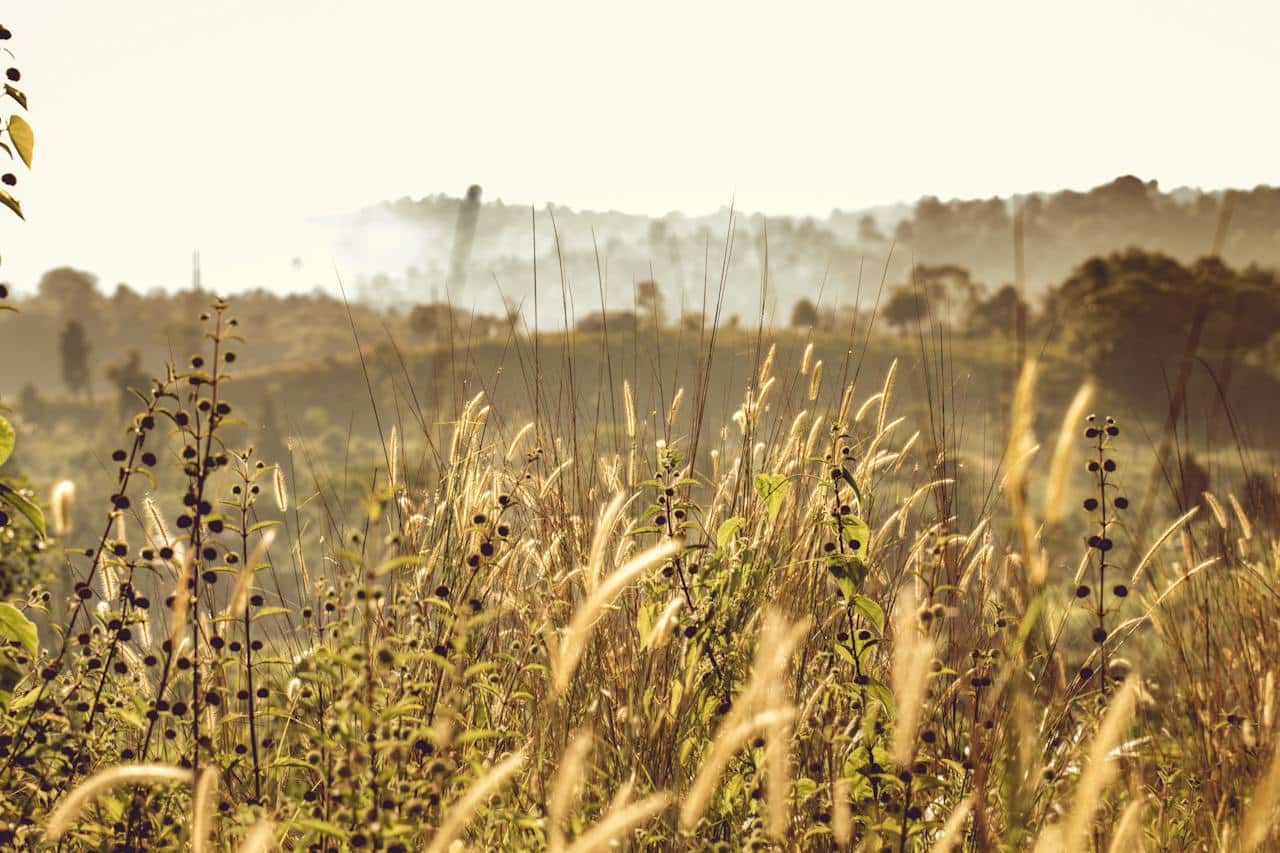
point(18, 140)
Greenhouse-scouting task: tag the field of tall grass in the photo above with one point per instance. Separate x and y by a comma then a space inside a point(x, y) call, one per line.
point(806, 627)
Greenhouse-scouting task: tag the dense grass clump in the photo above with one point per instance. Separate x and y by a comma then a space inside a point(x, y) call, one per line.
point(781, 632)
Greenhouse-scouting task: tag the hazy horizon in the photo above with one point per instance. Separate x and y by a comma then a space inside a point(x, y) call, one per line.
point(232, 130)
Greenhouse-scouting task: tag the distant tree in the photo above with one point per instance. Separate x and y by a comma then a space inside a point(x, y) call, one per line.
point(1128, 313)
point(1192, 482)
point(429, 321)
point(804, 314)
point(869, 230)
point(692, 321)
point(74, 349)
point(1261, 498)
point(30, 404)
point(904, 308)
point(620, 322)
point(997, 314)
point(649, 301)
point(74, 293)
point(128, 374)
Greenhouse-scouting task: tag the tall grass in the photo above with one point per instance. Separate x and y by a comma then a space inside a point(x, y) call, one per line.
point(660, 634)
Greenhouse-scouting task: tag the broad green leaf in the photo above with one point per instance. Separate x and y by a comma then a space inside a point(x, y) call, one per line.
point(24, 138)
point(11, 203)
point(727, 530)
point(880, 691)
point(856, 534)
point(773, 489)
point(7, 439)
point(10, 675)
point(18, 629)
point(25, 507)
point(644, 624)
point(871, 610)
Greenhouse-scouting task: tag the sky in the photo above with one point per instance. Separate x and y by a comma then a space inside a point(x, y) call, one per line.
point(163, 126)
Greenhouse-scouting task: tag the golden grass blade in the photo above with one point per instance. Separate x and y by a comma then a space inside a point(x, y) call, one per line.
point(62, 501)
point(1127, 836)
point(259, 839)
point(618, 822)
point(568, 779)
point(912, 658)
point(1246, 526)
point(604, 529)
point(1022, 446)
point(280, 488)
point(244, 579)
point(393, 458)
point(1160, 540)
point(1100, 766)
point(629, 408)
point(1259, 821)
point(1064, 452)
point(841, 813)
point(202, 810)
point(124, 774)
point(952, 832)
point(674, 408)
point(457, 814)
point(584, 618)
point(815, 381)
point(725, 745)
point(886, 394)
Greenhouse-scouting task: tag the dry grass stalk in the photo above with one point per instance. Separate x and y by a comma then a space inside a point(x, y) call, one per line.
point(73, 804)
point(1100, 766)
point(576, 637)
point(569, 778)
point(912, 659)
point(619, 821)
point(1064, 453)
point(458, 814)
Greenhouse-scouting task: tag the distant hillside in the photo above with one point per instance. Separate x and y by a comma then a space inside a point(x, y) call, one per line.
point(603, 253)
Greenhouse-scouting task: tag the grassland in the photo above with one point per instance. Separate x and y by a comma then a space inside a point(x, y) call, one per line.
point(675, 590)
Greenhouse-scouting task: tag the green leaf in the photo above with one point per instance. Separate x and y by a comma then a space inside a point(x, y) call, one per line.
point(16, 94)
point(856, 534)
point(25, 507)
point(321, 827)
point(880, 691)
point(773, 489)
point(18, 629)
point(868, 608)
point(11, 203)
point(644, 624)
point(24, 138)
point(727, 530)
point(10, 675)
point(7, 439)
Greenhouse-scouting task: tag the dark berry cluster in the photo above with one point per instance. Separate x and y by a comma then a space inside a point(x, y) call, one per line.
point(1104, 506)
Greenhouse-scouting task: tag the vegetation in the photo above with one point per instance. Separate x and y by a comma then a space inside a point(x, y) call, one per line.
point(653, 581)
point(787, 630)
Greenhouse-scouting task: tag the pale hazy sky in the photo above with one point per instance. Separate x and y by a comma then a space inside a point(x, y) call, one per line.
point(163, 125)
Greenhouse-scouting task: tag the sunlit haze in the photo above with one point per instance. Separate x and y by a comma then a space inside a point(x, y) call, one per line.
point(166, 127)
